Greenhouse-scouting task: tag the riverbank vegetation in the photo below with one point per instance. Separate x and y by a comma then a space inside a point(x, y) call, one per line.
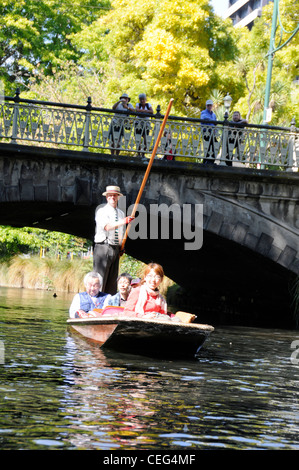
point(34, 241)
point(60, 275)
point(40, 259)
point(45, 273)
point(34, 258)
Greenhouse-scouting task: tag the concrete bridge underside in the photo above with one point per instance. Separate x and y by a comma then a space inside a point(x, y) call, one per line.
point(249, 259)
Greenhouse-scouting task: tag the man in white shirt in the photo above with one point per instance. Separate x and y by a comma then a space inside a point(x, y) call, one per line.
point(110, 230)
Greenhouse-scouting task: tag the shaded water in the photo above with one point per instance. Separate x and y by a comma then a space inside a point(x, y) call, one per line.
point(59, 392)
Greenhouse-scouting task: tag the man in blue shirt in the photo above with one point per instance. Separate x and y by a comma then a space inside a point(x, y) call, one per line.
point(208, 134)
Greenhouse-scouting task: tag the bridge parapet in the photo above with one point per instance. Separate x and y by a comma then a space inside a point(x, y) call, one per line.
point(48, 124)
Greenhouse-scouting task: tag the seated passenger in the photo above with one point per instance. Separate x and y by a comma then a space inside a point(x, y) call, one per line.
point(84, 303)
point(145, 299)
point(135, 282)
point(124, 288)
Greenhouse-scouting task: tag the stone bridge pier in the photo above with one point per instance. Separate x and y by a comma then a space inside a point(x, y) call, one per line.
point(244, 270)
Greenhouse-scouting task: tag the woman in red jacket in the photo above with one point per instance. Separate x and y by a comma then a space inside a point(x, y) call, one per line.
point(146, 300)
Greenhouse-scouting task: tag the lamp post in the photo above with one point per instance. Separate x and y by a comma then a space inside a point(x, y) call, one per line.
point(270, 62)
point(227, 104)
point(270, 55)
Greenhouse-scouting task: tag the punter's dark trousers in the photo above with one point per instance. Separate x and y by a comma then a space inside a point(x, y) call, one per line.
point(106, 262)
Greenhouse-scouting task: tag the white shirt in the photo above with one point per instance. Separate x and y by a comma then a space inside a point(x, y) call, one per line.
point(120, 107)
point(106, 215)
point(119, 118)
point(146, 108)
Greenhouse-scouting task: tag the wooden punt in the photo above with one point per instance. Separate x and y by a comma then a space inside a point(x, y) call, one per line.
point(148, 337)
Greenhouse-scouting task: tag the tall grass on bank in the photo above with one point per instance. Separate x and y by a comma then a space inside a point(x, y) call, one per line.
point(60, 275)
point(44, 273)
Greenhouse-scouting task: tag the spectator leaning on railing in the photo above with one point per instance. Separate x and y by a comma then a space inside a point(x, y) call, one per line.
point(142, 125)
point(234, 137)
point(208, 114)
point(117, 124)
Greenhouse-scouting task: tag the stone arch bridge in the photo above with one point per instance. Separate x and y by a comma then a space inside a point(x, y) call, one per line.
point(249, 259)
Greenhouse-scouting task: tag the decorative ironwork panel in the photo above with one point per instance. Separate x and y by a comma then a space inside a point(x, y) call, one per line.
point(185, 140)
point(6, 121)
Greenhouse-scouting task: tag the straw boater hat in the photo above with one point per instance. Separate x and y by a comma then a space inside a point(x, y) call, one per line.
point(112, 190)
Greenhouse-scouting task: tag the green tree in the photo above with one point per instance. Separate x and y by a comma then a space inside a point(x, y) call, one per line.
point(69, 84)
point(34, 32)
point(13, 240)
point(67, 51)
point(251, 66)
point(166, 49)
point(30, 240)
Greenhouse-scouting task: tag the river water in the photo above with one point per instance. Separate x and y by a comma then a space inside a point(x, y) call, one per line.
point(59, 392)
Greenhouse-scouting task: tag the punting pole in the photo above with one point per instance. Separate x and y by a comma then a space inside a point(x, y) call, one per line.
point(147, 173)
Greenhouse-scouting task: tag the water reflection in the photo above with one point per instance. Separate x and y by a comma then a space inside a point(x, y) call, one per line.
point(60, 391)
point(119, 397)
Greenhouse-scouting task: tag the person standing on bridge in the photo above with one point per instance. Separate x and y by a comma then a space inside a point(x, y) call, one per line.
point(119, 122)
point(234, 137)
point(208, 133)
point(110, 229)
point(142, 125)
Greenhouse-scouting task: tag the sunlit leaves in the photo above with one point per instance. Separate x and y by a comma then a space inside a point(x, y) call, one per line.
point(166, 48)
point(252, 64)
point(31, 240)
point(172, 49)
point(36, 32)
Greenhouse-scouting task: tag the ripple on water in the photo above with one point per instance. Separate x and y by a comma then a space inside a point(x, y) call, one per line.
point(59, 392)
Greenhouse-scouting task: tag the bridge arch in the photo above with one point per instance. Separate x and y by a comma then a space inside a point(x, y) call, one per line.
point(250, 219)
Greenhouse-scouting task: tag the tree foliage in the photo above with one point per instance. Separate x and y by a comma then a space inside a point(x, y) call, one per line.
point(69, 84)
point(30, 241)
point(175, 49)
point(68, 50)
point(34, 32)
point(166, 49)
point(251, 65)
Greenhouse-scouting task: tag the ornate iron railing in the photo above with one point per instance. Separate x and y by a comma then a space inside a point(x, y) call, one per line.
point(187, 139)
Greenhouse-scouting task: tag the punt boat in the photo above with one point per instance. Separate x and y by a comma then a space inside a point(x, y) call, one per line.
point(143, 336)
